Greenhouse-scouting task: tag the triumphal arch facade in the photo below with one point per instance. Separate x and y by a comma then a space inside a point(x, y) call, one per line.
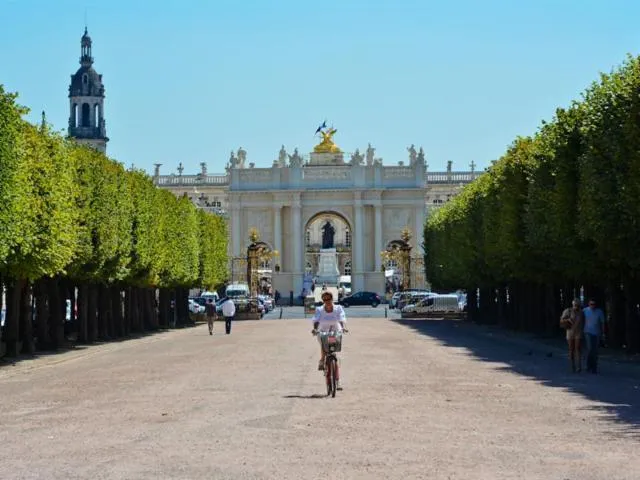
point(326, 216)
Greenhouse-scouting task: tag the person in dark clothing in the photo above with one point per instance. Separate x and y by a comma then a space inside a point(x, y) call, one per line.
point(210, 311)
point(291, 298)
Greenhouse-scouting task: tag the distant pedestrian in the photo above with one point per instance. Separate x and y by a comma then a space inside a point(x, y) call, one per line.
point(210, 311)
point(572, 320)
point(276, 297)
point(593, 332)
point(228, 312)
point(291, 298)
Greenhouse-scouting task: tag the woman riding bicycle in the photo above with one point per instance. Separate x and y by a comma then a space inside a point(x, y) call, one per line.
point(328, 317)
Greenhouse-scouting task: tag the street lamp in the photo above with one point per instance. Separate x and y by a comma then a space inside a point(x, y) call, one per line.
point(257, 252)
point(399, 251)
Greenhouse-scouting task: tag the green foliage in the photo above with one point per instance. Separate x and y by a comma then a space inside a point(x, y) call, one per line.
point(69, 210)
point(560, 206)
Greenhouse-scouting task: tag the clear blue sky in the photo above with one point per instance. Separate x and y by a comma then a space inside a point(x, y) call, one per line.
point(191, 80)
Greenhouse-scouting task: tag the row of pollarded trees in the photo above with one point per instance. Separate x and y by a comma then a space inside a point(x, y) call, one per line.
point(558, 212)
point(75, 225)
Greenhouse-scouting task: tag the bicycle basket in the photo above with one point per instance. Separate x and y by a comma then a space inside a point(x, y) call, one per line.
point(331, 341)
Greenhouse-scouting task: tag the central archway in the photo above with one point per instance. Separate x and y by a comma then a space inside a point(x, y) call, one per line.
point(327, 250)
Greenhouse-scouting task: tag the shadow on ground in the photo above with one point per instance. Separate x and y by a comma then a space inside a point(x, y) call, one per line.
point(308, 397)
point(616, 388)
point(70, 346)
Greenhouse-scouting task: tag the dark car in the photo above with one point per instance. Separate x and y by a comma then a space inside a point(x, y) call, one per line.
point(361, 298)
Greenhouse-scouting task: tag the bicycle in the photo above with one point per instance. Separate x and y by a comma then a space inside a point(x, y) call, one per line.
point(331, 342)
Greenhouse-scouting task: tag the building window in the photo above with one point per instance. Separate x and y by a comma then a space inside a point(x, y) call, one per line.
point(86, 115)
point(265, 265)
point(307, 238)
point(347, 240)
point(308, 268)
point(85, 78)
point(437, 201)
point(392, 264)
point(347, 267)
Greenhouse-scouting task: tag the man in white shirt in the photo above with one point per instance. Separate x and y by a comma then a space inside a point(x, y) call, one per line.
point(228, 312)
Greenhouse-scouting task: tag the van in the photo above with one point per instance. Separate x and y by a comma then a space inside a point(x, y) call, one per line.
point(433, 304)
point(236, 290)
point(344, 285)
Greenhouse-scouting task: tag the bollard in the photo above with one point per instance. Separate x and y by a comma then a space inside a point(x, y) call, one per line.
point(280, 312)
point(385, 312)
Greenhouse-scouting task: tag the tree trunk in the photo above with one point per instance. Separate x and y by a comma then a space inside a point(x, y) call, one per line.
point(83, 313)
point(92, 317)
point(42, 314)
point(56, 316)
point(118, 318)
point(12, 319)
point(26, 319)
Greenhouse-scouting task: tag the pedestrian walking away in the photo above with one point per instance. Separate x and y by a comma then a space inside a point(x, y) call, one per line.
point(210, 310)
point(228, 312)
point(593, 333)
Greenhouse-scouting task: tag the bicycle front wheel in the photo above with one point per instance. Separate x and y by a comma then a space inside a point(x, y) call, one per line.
point(331, 376)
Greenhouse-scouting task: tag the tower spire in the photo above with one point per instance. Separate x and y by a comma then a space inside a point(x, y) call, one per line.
point(86, 60)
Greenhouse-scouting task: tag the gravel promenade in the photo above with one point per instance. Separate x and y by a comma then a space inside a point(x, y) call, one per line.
point(422, 399)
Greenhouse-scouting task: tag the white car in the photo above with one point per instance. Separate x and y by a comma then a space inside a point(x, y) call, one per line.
point(195, 307)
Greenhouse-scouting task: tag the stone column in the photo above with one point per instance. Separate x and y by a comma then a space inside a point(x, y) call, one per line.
point(378, 235)
point(235, 229)
point(277, 230)
point(297, 240)
point(357, 275)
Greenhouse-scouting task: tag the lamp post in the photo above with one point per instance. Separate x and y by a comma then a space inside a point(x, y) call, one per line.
point(257, 252)
point(399, 251)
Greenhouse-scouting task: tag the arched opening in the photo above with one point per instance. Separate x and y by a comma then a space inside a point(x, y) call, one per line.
point(74, 115)
point(396, 265)
point(85, 79)
point(86, 115)
point(327, 250)
point(347, 267)
point(96, 114)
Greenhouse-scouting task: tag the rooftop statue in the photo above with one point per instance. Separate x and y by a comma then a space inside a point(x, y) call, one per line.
point(327, 145)
point(295, 160)
point(357, 158)
point(370, 152)
point(282, 157)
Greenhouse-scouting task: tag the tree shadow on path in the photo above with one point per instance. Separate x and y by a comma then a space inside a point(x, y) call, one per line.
point(616, 388)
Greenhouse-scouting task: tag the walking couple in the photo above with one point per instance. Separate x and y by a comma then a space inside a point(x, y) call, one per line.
point(585, 323)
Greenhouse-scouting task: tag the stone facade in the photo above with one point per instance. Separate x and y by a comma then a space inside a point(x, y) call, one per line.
point(373, 202)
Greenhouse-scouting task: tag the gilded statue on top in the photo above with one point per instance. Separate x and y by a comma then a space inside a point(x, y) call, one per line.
point(327, 145)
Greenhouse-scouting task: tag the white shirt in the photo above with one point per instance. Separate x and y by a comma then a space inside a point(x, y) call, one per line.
point(327, 320)
point(228, 308)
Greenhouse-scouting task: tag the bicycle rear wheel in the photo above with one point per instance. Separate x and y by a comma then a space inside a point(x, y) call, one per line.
point(331, 376)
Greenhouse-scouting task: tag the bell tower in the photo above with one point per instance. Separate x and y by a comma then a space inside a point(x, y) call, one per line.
point(86, 101)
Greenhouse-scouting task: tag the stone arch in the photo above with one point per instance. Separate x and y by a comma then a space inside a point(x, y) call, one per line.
point(327, 264)
point(86, 115)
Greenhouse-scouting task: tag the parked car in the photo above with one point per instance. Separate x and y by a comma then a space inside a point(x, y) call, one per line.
point(195, 307)
point(361, 298)
point(267, 301)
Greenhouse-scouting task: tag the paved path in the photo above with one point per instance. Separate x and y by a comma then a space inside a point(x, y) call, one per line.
point(421, 400)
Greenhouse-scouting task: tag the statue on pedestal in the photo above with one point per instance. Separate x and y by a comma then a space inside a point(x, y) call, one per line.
point(327, 145)
point(357, 158)
point(421, 156)
point(370, 152)
point(413, 156)
point(295, 160)
point(328, 233)
point(242, 157)
point(282, 157)
point(233, 161)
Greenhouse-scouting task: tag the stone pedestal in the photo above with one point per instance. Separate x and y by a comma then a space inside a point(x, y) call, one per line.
point(326, 159)
point(328, 271)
